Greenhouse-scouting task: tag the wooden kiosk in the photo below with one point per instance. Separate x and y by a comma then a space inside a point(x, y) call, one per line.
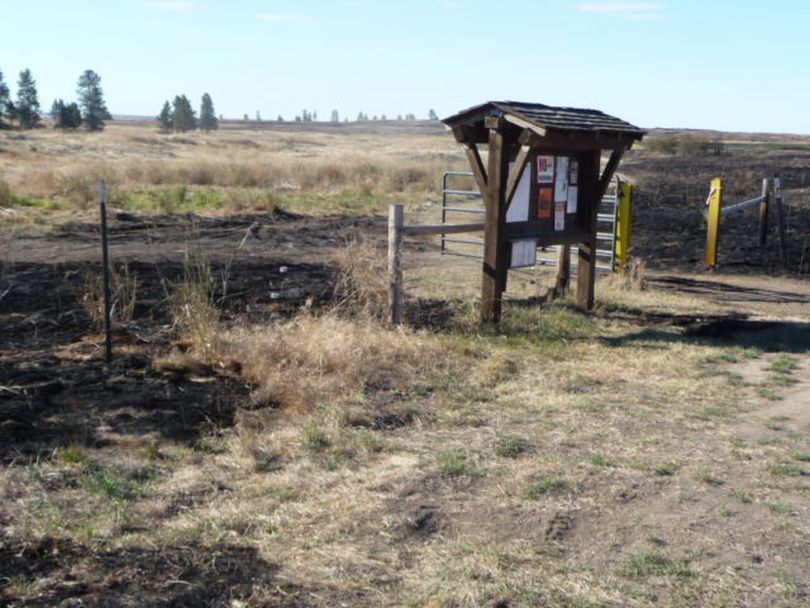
point(541, 185)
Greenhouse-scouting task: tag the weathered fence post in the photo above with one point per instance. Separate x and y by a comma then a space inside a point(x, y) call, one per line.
point(396, 220)
point(713, 230)
point(105, 264)
point(780, 217)
point(763, 212)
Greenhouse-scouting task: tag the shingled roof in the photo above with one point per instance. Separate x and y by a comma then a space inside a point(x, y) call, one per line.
point(547, 117)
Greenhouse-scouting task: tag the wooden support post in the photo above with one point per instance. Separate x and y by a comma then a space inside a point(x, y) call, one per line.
point(624, 221)
point(396, 220)
point(713, 228)
point(563, 271)
point(495, 245)
point(593, 191)
point(763, 212)
point(781, 220)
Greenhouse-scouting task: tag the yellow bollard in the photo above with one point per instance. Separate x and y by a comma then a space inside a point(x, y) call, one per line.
point(713, 229)
point(624, 228)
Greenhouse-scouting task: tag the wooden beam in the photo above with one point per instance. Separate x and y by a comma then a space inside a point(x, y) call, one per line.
point(525, 124)
point(516, 173)
point(591, 195)
point(493, 122)
point(495, 244)
point(607, 174)
point(416, 229)
point(477, 167)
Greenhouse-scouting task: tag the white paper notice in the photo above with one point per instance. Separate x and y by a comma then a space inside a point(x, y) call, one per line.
point(518, 210)
point(561, 180)
point(559, 216)
point(573, 172)
point(572, 199)
point(524, 253)
point(545, 169)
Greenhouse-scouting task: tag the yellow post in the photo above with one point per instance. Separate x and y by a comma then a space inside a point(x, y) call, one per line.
point(624, 227)
point(713, 229)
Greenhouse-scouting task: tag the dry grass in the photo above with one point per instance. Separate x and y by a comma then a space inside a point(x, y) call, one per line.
point(123, 295)
point(249, 167)
point(362, 285)
point(324, 360)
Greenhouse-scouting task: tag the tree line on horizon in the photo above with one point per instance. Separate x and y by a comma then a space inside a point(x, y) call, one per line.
point(178, 116)
point(90, 111)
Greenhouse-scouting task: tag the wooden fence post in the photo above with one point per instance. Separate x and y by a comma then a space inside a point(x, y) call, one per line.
point(763, 212)
point(713, 229)
point(396, 219)
point(780, 217)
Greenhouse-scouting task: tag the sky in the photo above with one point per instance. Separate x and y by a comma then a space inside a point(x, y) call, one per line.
point(714, 64)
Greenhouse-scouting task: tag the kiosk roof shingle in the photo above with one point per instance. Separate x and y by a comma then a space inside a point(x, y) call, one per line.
point(548, 117)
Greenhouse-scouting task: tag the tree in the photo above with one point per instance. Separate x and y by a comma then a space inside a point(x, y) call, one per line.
point(280, 118)
point(335, 116)
point(208, 120)
point(258, 116)
point(5, 100)
point(165, 119)
point(183, 118)
point(91, 100)
point(27, 107)
point(246, 117)
point(71, 116)
point(65, 116)
point(432, 115)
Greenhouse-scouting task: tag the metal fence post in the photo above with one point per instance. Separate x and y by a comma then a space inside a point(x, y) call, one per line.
point(713, 229)
point(105, 263)
point(624, 220)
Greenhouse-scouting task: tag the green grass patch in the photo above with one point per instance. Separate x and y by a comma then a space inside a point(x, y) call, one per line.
point(544, 486)
point(643, 565)
point(457, 463)
point(776, 507)
point(510, 446)
point(315, 439)
point(786, 469)
point(119, 485)
point(601, 461)
point(784, 364)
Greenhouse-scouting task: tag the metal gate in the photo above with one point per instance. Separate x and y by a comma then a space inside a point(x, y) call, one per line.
point(460, 197)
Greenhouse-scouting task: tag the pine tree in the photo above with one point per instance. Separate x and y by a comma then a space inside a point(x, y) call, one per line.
point(91, 99)
point(280, 118)
point(27, 107)
point(165, 119)
point(71, 116)
point(208, 120)
point(57, 109)
point(258, 116)
point(5, 100)
point(432, 115)
point(335, 116)
point(183, 118)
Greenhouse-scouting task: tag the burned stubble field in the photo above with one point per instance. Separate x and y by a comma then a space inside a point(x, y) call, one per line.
point(264, 439)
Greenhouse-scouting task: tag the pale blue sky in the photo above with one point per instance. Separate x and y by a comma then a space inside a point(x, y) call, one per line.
point(676, 63)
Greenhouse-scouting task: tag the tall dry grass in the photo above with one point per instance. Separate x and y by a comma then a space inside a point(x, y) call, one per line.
point(313, 360)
